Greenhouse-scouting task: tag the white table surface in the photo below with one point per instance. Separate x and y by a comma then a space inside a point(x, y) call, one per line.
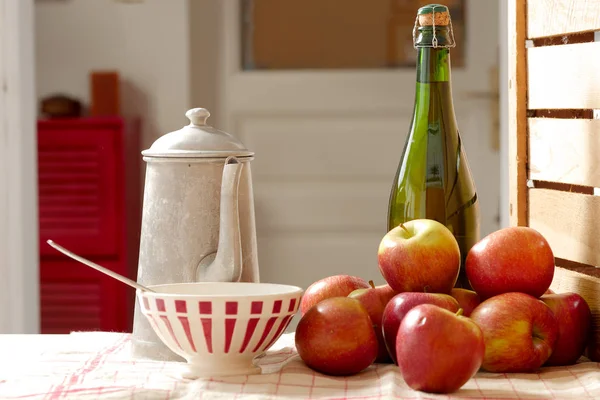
point(97, 365)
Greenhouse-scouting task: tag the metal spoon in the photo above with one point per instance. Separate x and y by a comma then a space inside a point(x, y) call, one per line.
point(106, 271)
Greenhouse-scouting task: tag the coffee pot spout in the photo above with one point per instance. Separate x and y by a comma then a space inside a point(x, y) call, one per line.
point(227, 263)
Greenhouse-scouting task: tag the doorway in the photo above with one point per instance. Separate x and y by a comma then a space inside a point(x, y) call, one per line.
point(328, 134)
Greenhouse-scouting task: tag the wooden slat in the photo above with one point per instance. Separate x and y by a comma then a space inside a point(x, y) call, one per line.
point(569, 221)
point(582, 37)
point(566, 76)
point(565, 187)
point(585, 269)
point(559, 17)
point(517, 113)
point(565, 150)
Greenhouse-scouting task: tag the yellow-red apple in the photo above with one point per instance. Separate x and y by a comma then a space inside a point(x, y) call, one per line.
point(331, 286)
point(514, 259)
point(574, 318)
point(336, 337)
point(419, 255)
point(374, 300)
point(438, 351)
point(519, 332)
point(467, 299)
point(400, 305)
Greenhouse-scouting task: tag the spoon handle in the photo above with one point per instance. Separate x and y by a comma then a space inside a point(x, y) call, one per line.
point(106, 271)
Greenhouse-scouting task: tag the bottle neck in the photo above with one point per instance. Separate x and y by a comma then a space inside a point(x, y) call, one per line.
point(433, 72)
point(433, 65)
point(433, 53)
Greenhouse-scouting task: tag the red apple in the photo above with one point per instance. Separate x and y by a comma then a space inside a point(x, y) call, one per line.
point(514, 259)
point(438, 351)
point(331, 286)
point(401, 304)
point(374, 300)
point(519, 331)
point(467, 299)
point(574, 320)
point(419, 255)
point(336, 337)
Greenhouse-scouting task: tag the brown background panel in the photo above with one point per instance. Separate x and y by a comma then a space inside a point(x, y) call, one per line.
point(337, 33)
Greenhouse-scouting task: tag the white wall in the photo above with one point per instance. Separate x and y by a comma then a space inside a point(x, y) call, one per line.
point(147, 42)
point(19, 293)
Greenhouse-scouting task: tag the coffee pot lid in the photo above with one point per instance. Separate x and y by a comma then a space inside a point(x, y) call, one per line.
point(197, 140)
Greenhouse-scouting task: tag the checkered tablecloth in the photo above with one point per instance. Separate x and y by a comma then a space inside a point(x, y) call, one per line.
point(97, 365)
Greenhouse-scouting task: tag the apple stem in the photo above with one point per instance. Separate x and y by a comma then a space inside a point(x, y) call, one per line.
point(426, 289)
point(372, 284)
point(459, 312)
point(403, 227)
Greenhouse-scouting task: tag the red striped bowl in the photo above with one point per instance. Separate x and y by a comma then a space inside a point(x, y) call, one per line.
point(219, 327)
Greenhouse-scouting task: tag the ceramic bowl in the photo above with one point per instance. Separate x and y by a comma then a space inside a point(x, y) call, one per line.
point(219, 328)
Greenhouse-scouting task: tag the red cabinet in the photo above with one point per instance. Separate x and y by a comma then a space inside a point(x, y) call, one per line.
point(89, 197)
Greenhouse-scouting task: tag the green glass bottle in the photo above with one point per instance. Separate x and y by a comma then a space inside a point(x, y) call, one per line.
point(433, 179)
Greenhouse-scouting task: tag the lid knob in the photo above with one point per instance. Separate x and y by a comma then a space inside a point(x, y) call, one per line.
point(198, 116)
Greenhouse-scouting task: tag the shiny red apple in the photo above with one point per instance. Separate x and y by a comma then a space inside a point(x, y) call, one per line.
point(336, 337)
point(513, 259)
point(467, 299)
point(400, 305)
point(574, 327)
point(374, 300)
point(331, 286)
point(419, 255)
point(519, 332)
point(438, 351)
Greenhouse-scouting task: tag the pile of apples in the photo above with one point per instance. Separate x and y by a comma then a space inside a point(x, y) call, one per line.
point(439, 336)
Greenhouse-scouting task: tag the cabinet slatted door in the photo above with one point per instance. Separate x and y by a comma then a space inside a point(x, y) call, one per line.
point(82, 206)
point(79, 186)
point(75, 305)
point(77, 298)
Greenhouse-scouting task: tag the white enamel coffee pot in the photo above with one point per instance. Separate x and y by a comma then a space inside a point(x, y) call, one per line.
point(198, 217)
